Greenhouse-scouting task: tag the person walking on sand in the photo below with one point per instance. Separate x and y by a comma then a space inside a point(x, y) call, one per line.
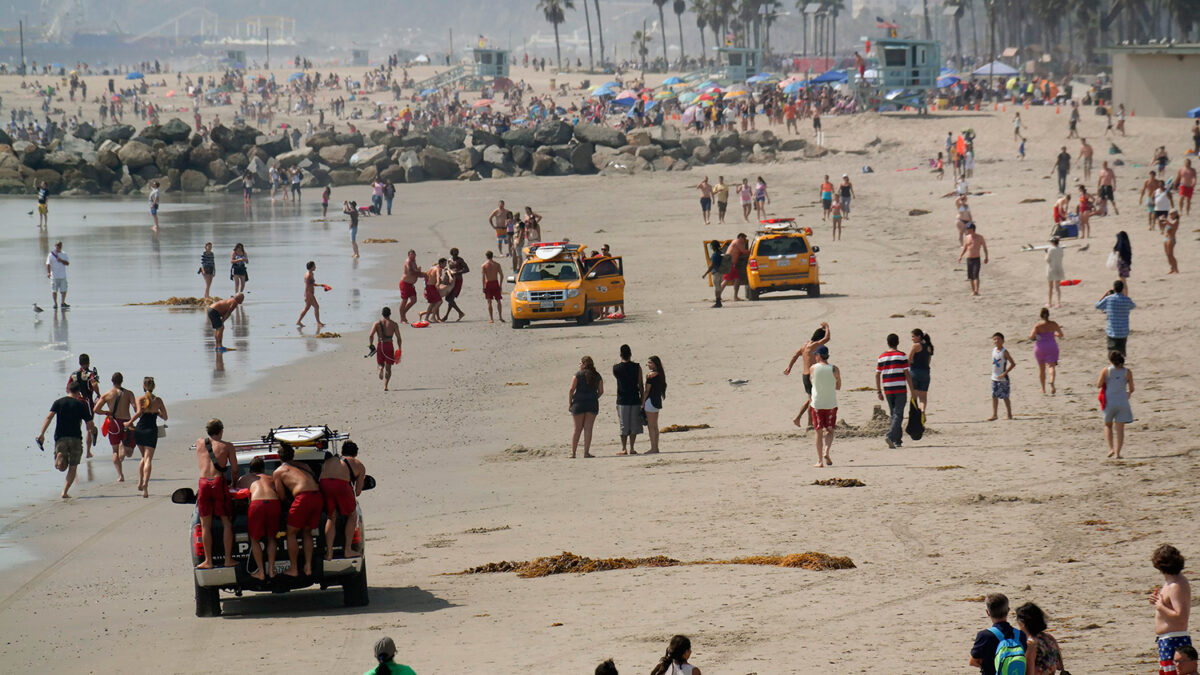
point(630, 401)
point(1016, 126)
point(325, 194)
point(1054, 273)
point(304, 515)
point(746, 196)
point(208, 268)
point(964, 216)
point(1085, 212)
point(990, 640)
point(389, 195)
point(1186, 180)
point(761, 199)
point(458, 268)
point(826, 381)
point(117, 405)
point(1123, 255)
point(1086, 154)
point(1116, 304)
point(496, 220)
point(262, 521)
point(1106, 187)
point(89, 379)
point(1042, 654)
point(1002, 365)
point(237, 268)
point(216, 459)
point(653, 393)
point(973, 244)
point(722, 193)
point(1172, 606)
point(56, 272)
point(920, 358)
point(1170, 227)
point(1045, 348)
point(826, 197)
point(893, 381)
point(310, 295)
point(583, 400)
point(386, 354)
point(351, 209)
point(154, 203)
point(43, 206)
point(808, 352)
point(715, 259)
point(341, 483)
point(144, 427)
point(68, 413)
point(491, 272)
point(218, 313)
point(739, 257)
point(675, 661)
point(1116, 385)
point(1149, 187)
point(706, 193)
point(408, 288)
point(1062, 167)
point(437, 282)
point(845, 192)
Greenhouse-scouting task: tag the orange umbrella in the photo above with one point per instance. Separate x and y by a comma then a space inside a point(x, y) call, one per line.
point(171, 93)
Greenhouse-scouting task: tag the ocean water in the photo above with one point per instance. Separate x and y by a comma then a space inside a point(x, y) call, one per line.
point(116, 259)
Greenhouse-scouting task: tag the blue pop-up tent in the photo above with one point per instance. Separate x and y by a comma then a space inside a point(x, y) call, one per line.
point(830, 76)
point(1194, 113)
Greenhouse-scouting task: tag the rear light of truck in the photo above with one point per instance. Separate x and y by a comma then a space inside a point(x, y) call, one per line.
point(753, 263)
point(357, 541)
point(198, 541)
point(812, 260)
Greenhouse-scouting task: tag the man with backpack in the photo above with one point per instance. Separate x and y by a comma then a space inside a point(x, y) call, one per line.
point(1000, 649)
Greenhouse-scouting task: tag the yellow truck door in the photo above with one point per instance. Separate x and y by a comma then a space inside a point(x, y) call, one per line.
point(605, 283)
point(725, 261)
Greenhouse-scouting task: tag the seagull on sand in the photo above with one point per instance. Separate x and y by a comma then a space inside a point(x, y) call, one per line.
point(36, 309)
point(738, 383)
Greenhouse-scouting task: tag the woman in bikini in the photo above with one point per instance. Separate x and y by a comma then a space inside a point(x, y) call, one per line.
point(237, 271)
point(1170, 226)
point(533, 226)
point(761, 198)
point(144, 427)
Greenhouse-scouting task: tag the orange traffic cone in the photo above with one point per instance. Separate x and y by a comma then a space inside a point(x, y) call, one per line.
point(1132, 112)
point(995, 107)
point(1003, 108)
point(1056, 109)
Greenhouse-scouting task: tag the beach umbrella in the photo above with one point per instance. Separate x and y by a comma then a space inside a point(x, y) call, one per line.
point(705, 85)
point(947, 71)
point(135, 75)
point(736, 94)
point(482, 103)
point(1194, 113)
point(761, 77)
point(427, 92)
point(421, 58)
point(793, 87)
point(712, 89)
point(603, 91)
point(295, 76)
point(689, 115)
point(687, 97)
point(650, 105)
point(830, 76)
point(628, 93)
point(116, 98)
point(611, 83)
point(704, 97)
point(624, 101)
point(170, 93)
point(664, 95)
point(994, 68)
point(681, 85)
point(949, 81)
point(672, 80)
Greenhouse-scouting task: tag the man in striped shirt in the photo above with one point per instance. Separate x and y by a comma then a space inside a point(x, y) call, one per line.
point(892, 383)
point(1116, 304)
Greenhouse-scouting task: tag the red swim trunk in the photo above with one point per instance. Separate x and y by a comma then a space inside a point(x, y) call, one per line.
point(305, 513)
point(491, 290)
point(339, 496)
point(824, 419)
point(731, 276)
point(456, 289)
point(212, 498)
point(263, 521)
point(1057, 215)
point(431, 294)
point(386, 353)
point(407, 290)
point(1186, 190)
point(116, 432)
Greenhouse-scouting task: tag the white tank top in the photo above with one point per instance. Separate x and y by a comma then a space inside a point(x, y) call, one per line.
point(824, 384)
point(677, 669)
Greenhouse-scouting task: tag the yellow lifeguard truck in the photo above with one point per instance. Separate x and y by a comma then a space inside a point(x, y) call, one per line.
point(558, 282)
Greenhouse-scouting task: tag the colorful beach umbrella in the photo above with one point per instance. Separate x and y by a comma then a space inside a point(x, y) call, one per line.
point(482, 103)
point(944, 82)
point(793, 87)
point(736, 94)
point(761, 77)
point(295, 76)
point(135, 75)
point(704, 97)
point(687, 97)
point(664, 95)
point(628, 93)
point(427, 92)
point(672, 80)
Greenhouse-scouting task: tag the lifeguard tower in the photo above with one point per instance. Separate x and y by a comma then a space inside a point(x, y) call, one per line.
point(908, 70)
point(360, 57)
point(737, 63)
point(485, 66)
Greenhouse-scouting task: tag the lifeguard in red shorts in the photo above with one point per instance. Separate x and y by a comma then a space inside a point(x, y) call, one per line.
point(341, 482)
point(305, 513)
point(385, 354)
point(215, 457)
point(262, 521)
point(408, 289)
point(491, 271)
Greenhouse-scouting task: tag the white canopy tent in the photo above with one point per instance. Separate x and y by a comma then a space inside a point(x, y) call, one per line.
point(995, 68)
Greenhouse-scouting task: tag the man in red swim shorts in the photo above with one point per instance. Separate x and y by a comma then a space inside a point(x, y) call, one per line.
point(739, 256)
point(385, 355)
point(408, 289)
point(826, 381)
point(305, 513)
point(215, 457)
point(491, 271)
point(263, 518)
point(1186, 180)
point(341, 481)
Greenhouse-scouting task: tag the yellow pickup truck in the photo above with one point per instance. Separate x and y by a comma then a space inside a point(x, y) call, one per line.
point(781, 259)
point(557, 281)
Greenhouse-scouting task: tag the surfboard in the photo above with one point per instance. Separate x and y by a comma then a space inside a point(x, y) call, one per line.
point(300, 435)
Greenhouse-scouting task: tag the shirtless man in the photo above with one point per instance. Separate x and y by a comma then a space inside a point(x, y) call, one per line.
point(262, 522)
point(341, 482)
point(739, 255)
point(218, 312)
point(310, 295)
point(304, 515)
point(1085, 156)
point(1172, 605)
point(458, 267)
point(215, 459)
point(408, 288)
point(496, 220)
point(1186, 180)
point(808, 351)
point(706, 193)
point(116, 404)
point(1148, 188)
point(351, 209)
point(436, 278)
point(491, 271)
point(973, 243)
point(385, 354)
point(1107, 187)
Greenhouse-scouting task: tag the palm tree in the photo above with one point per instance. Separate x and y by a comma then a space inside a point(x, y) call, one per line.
point(925, 10)
point(1087, 13)
point(958, 6)
point(588, 21)
point(555, 12)
point(680, 6)
point(1185, 14)
point(700, 9)
point(662, 24)
point(599, 32)
point(639, 44)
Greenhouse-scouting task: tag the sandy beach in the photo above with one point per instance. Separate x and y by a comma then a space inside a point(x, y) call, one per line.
point(471, 447)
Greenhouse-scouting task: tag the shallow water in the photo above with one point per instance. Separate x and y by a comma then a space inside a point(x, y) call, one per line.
point(115, 260)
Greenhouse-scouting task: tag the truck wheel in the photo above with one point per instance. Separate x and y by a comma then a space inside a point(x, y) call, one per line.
point(585, 318)
point(354, 592)
point(751, 294)
point(519, 323)
point(814, 290)
point(208, 600)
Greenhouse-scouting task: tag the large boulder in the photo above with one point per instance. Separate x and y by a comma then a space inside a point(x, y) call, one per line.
point(581, 158)
point(793, 144)
point(192, 181)
point(237, 161)
point(466, 158)
point(219, 170)
point(343, 177)
point(724, 139)
point(244, 136)
point(521, 156)
point(728, 156)
point(414, 139)
point(114, 132)
point(78, 146)
point(336, 155)
point(598, 134)
point(10, 162)
point(222, 136)
point(84, 131)
point(497, 156)
point(447, 138)
point(33, 156)
point(649, 152)
point(201, 155)
point(5, 139)
point(368, 156)
point(345, 138)
point(320, 140)
point(702, 154)
point(763, 137)
point(292, 158)
point(552, 132)
point(691, 143)
point(150, 133)
point(667, 136)
point(260, 171)
point(639, 137)
point(176, 131)
point(53, 179)
point(601, 156)
point(106, 154)
point(415, 175)
point(275, 144)
point(135, 155)
point(438, 163)
point(514, 137)
point(11, 182)
point(481, 137)
point(174, 156)
point(542, 163)
point(368, 174)
point(61, 161)
point(409, 160)
point(394, 173)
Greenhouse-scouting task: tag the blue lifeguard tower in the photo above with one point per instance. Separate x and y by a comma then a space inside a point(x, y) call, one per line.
point(485, 66)
point(908, 70)
point(738, 63)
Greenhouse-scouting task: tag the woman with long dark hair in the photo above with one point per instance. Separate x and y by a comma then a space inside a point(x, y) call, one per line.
point(919, 358)
point(1042, 653)
point(675, 661)
point(584, 403)
point(1124, 251)
point(652, 398)
point(237, 268)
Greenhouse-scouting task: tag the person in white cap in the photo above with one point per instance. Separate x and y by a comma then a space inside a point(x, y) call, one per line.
point(385, 654)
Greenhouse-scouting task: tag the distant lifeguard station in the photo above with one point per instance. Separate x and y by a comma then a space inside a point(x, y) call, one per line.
point(485, 67)
point(737, 63)
point(908, 70)
point(360, 57)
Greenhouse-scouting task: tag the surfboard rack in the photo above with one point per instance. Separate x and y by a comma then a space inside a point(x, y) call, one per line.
point(320, 437)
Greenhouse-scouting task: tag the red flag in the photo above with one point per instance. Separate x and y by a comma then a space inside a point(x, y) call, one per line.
point(868, 46)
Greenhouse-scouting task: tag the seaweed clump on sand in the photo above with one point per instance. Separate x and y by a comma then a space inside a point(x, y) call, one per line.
point(372, 240)
point(817, 562)
point(840, 482)
point(328, 335)
point(675, 428)
point(175, 301)
point(569, 563)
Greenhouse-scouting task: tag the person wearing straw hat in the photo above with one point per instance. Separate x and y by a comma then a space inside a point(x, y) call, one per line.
point(385, 654)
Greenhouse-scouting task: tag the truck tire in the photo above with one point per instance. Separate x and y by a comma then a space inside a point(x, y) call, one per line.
point(585, 318)
point(208, 601)
point(814, 290)
point(519, 323)
point(751, 294)
point(355, 592)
